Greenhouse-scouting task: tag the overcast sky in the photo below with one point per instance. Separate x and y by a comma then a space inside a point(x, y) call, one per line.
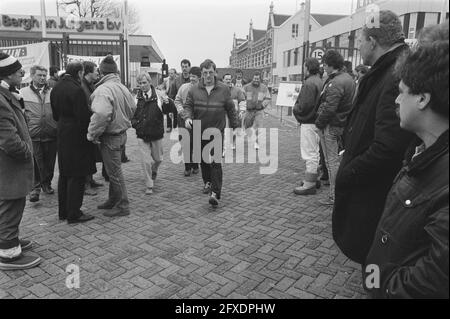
point(197, 29)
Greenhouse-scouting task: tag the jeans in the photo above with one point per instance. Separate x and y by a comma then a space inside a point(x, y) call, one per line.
point(330, 139)
point(111, 148)
point(212, 172)
point(11, 212)
point(309, 146)
point(188, 160)
point(151, 159)
point(44, 157)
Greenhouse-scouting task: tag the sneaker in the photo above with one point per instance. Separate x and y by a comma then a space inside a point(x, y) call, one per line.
point(20, 263)
point(34, 197)
point(195, 171)
point(326, 202)
point(256, 146)
point(118, 213)
point(25, 244)
point(213, 200)
point(305, 191)
point(48, 189)
point(207, 188)
point(149, 191)
point(187, 173)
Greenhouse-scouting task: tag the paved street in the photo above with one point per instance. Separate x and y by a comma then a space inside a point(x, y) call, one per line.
point(262, 242)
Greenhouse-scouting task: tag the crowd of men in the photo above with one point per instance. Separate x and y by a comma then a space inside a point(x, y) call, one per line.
point(382, 136)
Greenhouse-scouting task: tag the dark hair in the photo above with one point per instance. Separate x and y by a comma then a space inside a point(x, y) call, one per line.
point(195, 70)
point(257, 73)
point(321, 72)
point(362, 69)
point(433, 33)
point(390, 29)
point(348, 66)
point(73, 68)
point(426, 71)
point(334, 59)
point(207, 64)
point(89, 67)
point(223, 77)
point(239, 71)
point(313, 66)
point(185, 61)
point(53, 70)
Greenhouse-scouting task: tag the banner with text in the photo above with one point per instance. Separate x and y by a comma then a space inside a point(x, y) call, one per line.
point(96, 59)
point(29, 55)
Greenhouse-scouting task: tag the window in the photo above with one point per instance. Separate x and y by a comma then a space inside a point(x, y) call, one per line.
point(295, 30)
point(296, 56)
point(289, 58)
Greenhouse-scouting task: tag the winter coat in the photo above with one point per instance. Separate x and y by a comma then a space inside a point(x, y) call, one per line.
point(38, 113)
point(411, 241)
point(374, 149)
point(71, 111)
point(305, 109)
point(335, 102)
point(148, 120)
point(113, 107)
point(16, 150)
point(258, 98)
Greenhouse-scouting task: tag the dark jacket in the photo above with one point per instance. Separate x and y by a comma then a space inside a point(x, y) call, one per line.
point(305, 109)
point(179, 81)
point(211, 109)
point(335, 101)
point(148, 120)
point(411, 241)
point(374, 149)
point(16, 151)
point(88, 89)
point(71, 111)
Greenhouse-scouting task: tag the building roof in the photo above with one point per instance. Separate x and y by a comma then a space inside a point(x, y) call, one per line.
point(324, 19)
point(279, 19)
point(258, 34)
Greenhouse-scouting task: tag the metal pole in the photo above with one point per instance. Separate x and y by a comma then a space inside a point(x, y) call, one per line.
point(43, 20)
point(125, 32)
point(307, 18)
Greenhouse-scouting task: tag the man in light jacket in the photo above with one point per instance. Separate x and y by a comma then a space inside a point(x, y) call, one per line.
point(113, 107)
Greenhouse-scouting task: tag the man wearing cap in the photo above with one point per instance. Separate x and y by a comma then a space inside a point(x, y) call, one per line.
point(16, 168)
point(113, 106)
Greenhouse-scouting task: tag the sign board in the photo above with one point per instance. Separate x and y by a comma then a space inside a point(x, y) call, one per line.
point(318, 53)
point(32, 23)
point(288, 93)
point(29, 55)
point(96, 59)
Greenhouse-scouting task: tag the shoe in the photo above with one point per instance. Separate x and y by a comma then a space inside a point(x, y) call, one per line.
point(187, 173)
point(20, 263)
point(48, 189)
point(326, 202)
point(195, 171)
point(154, 175)
point(256, 146)
point(213, 200)
point(82, 219)
point(207, 188)
point(95, 184)
point(106, 205)
point(318, 184)
point(305, 191)
point(90, 192)
point(25, 244)
point(149, 191)
point(34, 197)
point(117, 213)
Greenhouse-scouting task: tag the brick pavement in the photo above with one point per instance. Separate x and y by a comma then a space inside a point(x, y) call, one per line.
point(263, 241)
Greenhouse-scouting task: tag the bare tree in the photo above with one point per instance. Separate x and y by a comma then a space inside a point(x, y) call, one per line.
point(102, 9)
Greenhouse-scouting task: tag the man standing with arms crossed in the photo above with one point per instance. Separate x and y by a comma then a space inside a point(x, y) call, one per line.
point(113, 107)
point(209, 102)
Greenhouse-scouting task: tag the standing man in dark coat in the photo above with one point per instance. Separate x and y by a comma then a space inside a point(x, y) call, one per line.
point(374, 142)
point(16, 168)
point(76, 153)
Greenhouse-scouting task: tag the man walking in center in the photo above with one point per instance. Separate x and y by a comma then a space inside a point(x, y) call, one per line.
point(209, 102)
point(42, 128)
point(113, 107)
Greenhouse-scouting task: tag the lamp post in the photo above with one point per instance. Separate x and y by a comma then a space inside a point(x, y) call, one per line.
point(43, 20)
point(307, 8)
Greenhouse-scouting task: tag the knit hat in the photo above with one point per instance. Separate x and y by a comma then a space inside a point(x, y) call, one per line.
point(108, 65)
point(195, 70)
point(8, 64)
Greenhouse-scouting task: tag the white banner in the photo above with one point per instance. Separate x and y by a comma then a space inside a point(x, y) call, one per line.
point(96, 59)
point(29, 55)
point(288, 93)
